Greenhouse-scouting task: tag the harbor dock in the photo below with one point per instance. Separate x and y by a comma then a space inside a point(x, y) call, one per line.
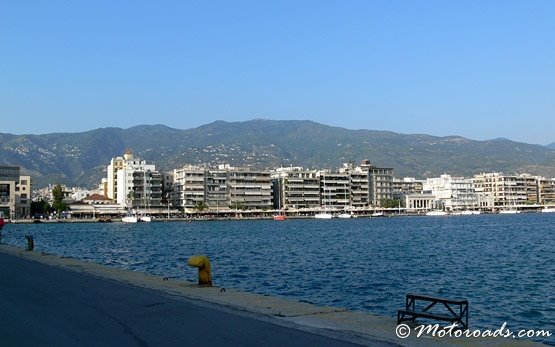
point(50, 300)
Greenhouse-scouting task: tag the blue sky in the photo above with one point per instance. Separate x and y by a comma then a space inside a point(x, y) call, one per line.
point(480, 69)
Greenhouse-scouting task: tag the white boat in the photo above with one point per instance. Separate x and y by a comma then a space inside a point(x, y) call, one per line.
point(511, 211)
point(377, 214)
point(145, 219)
point(465, 213)
point(129, 219)
point(436, 213)
point(323, 215)
point(344, 215)
point(548, 210)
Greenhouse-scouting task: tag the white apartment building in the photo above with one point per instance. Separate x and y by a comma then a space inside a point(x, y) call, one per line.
point(139, 188)
point(453, 193)
point(128, 161)
point(134, 183)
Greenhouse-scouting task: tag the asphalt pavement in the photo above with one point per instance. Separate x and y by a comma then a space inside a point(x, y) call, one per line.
point(43, 305)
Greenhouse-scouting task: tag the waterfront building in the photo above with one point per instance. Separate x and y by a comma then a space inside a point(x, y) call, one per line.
point(128, 161)
point(134, 183)
point(217, 188)
point(167, 189)
point(250, 189)
point(546, 195)
point(223, 187)
point(420, 202)
point(189, 186)
point(360, 196)
point(139, 188)
point(15, 193)
point(532, 188)
point(335, 189)
point(453, 193)
point(406, 186)
point(502, 190)
point(345, 188)
point(296, 188)
point(380, 183)
point(97, 199)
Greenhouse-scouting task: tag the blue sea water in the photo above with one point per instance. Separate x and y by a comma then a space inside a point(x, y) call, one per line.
point(503, 264)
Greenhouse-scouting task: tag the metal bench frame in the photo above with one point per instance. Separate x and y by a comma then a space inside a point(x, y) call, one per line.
point(458, 314)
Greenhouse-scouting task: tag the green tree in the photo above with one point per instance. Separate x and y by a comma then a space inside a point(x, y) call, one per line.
point(58, 194)
point(40, 207)
point(200, 206)
point(390, 203)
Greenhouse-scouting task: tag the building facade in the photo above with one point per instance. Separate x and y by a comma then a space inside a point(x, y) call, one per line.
point(453, 193)
point(133, 183)
point(502, 190)
point(222, 187)
point(15, 193)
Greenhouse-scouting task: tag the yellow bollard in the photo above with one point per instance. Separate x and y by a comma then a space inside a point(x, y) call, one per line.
point(204, 271)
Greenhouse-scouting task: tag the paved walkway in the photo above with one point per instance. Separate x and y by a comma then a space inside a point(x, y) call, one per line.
point(42, 305)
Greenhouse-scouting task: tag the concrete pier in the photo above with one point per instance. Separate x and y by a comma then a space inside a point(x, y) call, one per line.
point(49, 300)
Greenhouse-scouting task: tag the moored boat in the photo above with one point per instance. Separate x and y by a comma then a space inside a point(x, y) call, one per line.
point(129, 219)
point(510, 211)
point(344, 215)
point(436, 213)
point(145, 219)
point(323, 215)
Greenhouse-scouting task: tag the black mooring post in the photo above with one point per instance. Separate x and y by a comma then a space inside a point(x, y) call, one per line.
point(30, 242)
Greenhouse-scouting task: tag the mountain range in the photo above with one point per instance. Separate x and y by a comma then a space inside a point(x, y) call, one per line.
point(81, 158)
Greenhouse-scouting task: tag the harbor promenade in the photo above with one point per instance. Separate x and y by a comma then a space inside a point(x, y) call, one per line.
point(47, 300)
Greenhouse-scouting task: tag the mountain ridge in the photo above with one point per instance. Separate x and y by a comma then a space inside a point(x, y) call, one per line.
point(81, 158)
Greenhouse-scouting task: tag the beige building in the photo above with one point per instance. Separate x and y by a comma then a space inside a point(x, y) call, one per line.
point(546, 194)
point(497, 189)
point(15, 193)
point(296, 188)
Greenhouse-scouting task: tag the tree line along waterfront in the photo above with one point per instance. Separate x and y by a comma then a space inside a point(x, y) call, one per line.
point(132, 184)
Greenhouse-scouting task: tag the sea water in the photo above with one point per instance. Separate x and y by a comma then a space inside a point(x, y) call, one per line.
point(503, 264)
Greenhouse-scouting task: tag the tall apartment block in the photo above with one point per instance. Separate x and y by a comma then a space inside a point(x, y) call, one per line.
point(134, 183)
